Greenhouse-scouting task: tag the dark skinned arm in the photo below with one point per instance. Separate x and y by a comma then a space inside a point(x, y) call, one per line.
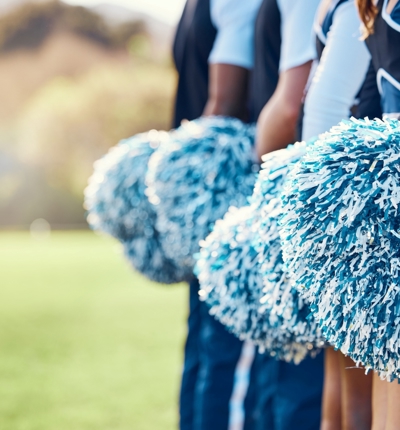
point(227, 91)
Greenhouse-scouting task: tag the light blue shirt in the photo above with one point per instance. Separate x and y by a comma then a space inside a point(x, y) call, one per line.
point(298, 43)
point(235, 22)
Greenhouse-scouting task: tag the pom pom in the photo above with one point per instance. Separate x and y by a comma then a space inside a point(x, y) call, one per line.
point(117, 205)
point(192, 182)
point(241, 275)
point(341, 239)
point(287, 311)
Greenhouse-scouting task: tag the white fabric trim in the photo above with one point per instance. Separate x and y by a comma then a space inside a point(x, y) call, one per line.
point(389, 20)
point(317, 26)
point(318, 31)
point(240, 387)
point(382, 73)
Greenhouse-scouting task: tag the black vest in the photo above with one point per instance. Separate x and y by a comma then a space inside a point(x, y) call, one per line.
point(194, 40)
point(384, 45)
point(264, 78)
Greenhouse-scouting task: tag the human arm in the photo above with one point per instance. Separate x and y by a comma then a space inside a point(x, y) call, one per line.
point(227, 91)
point(231, 57)
point(276, 126)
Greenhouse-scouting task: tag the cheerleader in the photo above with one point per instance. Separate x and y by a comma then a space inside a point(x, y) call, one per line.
point(213, 55)
point(332, 96)
point(340, 224)
point(284, 55)
point(382, 31)
point(288, 395)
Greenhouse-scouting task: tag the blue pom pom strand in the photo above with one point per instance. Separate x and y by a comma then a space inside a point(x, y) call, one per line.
point(209, 166)
point(117, 205)
point(341, 239)
point(231, 277)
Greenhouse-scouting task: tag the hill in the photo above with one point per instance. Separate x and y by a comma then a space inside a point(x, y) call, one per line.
point(160, 32)
point(41, 40)
point(23, 72)
point(73, 81)
point(31, 24)
point(113, 15)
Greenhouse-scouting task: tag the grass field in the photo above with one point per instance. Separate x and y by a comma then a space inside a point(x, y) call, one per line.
point(85, 343)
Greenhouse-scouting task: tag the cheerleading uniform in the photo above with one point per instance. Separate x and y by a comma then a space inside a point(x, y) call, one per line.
point(384, 45)
point(334, 95)
point(209, 32)
point(288, 396)
point(216, 363)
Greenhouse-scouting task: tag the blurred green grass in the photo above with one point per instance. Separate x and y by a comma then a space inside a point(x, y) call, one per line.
point(85, 343)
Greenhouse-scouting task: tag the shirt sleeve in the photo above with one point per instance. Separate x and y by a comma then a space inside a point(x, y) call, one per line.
point(297, 19)
point(339, 76)
point(235, 22)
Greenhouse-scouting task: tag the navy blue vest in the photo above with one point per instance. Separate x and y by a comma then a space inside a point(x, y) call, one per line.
point(194, 40)
point(267, 43)
point(384, 45)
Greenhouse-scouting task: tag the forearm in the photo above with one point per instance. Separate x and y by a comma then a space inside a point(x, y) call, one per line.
point(277, 126)
point(227, 91)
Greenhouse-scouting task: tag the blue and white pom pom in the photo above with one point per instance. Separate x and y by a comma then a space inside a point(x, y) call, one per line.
point(341, 235)
point(287, 312)
point(117, 205)
point(231, 277)
point(192, 182)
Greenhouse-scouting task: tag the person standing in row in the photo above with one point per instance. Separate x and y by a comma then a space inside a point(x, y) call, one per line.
point(213, 53)
point(333, 96)
point(288, 396)
point(382, 30)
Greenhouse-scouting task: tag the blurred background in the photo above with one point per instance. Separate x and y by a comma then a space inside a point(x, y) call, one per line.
point(85, 343)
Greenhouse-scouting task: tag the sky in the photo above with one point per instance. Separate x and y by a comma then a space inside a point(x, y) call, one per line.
point(165, 10)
